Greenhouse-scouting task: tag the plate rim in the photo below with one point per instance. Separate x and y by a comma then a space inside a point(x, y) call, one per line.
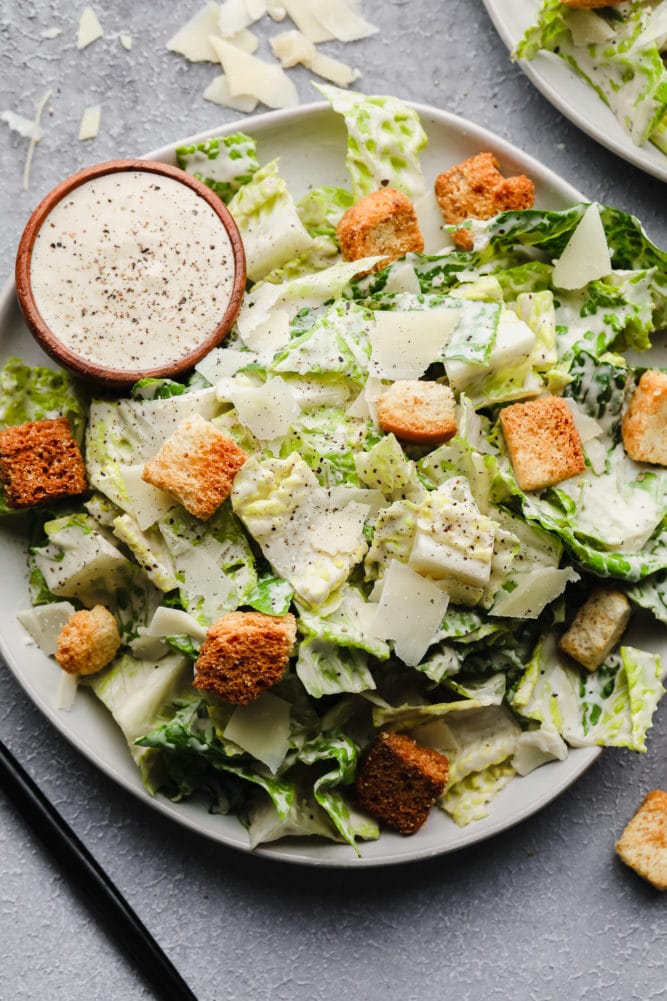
point(540, 70)
point(322, 854)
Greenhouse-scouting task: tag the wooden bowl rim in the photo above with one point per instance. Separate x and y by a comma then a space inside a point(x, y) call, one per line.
point(112, 378)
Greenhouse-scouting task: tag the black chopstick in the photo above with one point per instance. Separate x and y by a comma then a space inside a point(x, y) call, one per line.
point(81, 868)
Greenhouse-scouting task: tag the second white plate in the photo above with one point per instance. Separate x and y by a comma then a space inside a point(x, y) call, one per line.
point(573, 97)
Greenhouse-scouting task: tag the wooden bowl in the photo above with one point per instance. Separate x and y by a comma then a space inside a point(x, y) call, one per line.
point(107, 307)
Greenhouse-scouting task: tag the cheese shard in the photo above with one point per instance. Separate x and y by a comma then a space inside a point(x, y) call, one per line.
point(125, 40)
point(218, 92)
point(44, 622)
point(248, 75)
point(90, 122)
point(262, 728)
point(410, 611)
point(90, 28)
point(405, 343)
point(192, 41)
point(586, 256)
point(147, 503)
point(344, 23)
point(267, 410)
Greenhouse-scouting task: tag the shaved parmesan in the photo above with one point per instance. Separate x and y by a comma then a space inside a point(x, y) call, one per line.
point(402, 278)
point(251, 76)
point(333, 69)
point(51, 32)
point(26, 127)
point(146, 503)
point(192, 41)
point(301, 12)
point(90, 28)
point(267, 410)
point(44, 622)
point(275, 10)
point(405, 343)
point(338, 17)
point(218, 93)
point(90, 122)
point(410, 611)
point(67, 688)
point(292, 47)
point(586, 257)
point(269, 335)
point(125, 40)
point(35, 138)
point(174, 622)
point(222, 363)
point(262, 728)
point(534, 591)
point(245, 40)
point(235, 15)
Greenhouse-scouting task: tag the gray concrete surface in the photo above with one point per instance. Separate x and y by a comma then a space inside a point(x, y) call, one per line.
point(542, 912)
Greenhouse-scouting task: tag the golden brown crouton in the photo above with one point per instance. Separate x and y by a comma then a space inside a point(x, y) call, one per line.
point(419, 412)
point(88, 641)
point(40, 461)
point(644, 426)
point(643, 844)
point(398, 781)
point(543, 442)
point(384, 222)
point(597, 627)
point(244, 653)
point(476, 189)
point(197, 464)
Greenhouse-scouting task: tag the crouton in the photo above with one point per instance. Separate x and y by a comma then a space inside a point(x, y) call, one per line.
point(244, 653)
point(88, 641)
point(643, 843)
point(543, 443)
point(384, 222)
point(197, 464)
point(419, 412)
point(398, 781)
point(644, 425)
point(476, 189)
point(40, 461)
point(597, 627)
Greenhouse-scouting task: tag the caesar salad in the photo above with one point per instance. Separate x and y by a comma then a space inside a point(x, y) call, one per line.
point(424, 601)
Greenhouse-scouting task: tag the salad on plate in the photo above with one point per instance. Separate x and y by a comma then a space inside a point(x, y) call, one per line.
point(401, 616)
point(619, 49)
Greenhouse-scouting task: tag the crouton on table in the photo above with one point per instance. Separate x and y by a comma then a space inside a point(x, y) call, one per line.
point(398, 781)
point(644, 425)
point(597, 627)
point(643, 844)
point(244, 653)
point(384, 222)
point(88, 641)
point(543, 443)
point(197, 464)
point(40, 461)
point(419, 412)
point(476, 189)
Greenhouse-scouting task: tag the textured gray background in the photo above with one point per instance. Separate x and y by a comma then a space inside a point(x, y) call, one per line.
point(542, 912)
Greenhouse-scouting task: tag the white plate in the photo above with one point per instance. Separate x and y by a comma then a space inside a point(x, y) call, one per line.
point(568, 92)
point(311, 143)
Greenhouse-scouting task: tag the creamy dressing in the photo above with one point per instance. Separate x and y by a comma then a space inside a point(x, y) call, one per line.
point(132, 270)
